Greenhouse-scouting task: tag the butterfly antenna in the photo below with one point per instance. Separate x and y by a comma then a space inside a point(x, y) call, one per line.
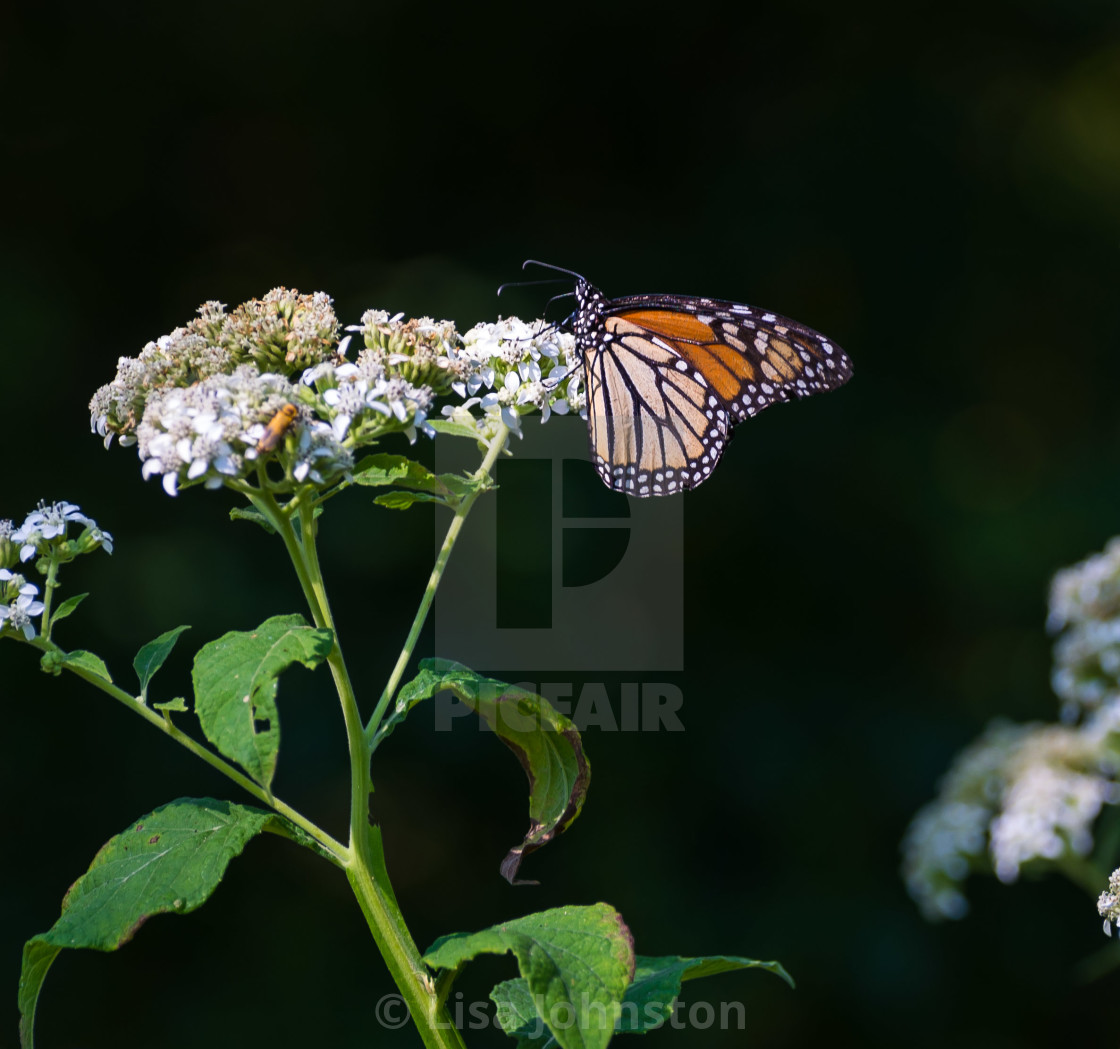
point(528, 283)
point(556, 325)
point(556, 269)
point(562, 295)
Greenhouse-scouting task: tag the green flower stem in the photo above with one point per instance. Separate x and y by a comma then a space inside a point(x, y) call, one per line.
point(280, 519)
point(335, 849)
point(305, 559)
point(48, 595)
point(360, 784)
point(494, 449)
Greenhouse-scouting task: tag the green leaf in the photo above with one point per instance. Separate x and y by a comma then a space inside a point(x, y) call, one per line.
point(152, 656)
point(384, 469)
point(172, 705)
point(235, 680)
point(422, 486)
point(67, 607)
point(460, 486)
point(170, 861)
point(517, 1015)
point(576, 962)
point(403, 500)
point(647, 1004)
point(239, 513)
point(456, 429)
point(546, 743)
point(657, 983)
point(88, 661)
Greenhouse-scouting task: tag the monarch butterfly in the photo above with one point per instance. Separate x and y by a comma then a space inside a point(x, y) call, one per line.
point(669, 376)
point(277, 426)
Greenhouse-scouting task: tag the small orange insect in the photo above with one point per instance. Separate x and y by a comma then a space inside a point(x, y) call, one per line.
point(276, 428)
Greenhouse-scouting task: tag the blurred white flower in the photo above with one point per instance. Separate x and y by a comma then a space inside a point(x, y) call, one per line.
point(1047, 811)
point(1020, 793)
point(1085, 607)
point(940, 847)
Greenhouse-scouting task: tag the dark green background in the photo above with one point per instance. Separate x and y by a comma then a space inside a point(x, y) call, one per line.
point(936, 186)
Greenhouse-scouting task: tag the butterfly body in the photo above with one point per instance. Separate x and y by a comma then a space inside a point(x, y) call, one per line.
point(669, 376)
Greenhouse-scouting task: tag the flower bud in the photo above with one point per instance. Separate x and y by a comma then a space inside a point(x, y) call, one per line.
point(52, 662)
point(416, 350)
point(93, 538)
point(284, 332)
point(9, 551)
point(10, 585)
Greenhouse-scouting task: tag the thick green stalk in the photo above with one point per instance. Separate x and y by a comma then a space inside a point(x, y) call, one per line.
point(364, 864)
point(403, 959)
point(494, 449)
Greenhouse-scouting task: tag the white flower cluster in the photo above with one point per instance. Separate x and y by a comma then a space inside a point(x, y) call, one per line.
point(206, 402)
point(43, 532)
point(512, 368)
point(212, 430)
point(363, 401)
point(209, 431)
point(1085, 605)
point(49, 523)
point(1018, 794)
point(178, 359)
point(18, 604)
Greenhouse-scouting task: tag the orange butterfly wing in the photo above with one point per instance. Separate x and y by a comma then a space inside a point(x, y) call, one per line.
point(669, 376)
